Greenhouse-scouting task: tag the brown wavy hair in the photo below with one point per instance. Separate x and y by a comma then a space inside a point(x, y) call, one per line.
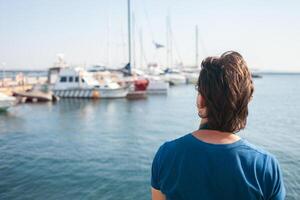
point(226, 85)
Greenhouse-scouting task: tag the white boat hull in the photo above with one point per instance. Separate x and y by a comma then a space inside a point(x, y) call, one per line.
point(92, 93)
point(192, 78)
point(157, 87)
point(6, 102)
point(4, 105)
point(175, 79)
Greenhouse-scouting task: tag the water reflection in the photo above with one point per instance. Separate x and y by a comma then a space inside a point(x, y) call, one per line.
point(83, 149)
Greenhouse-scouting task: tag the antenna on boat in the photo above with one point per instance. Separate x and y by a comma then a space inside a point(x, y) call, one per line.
point(129, 36)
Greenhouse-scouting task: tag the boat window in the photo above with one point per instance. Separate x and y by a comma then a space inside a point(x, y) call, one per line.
point(82, 80)
point(70, 78)
point(63, 79)
point(76, 79)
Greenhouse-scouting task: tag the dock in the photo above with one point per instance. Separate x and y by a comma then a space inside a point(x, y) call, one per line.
point(19, 88)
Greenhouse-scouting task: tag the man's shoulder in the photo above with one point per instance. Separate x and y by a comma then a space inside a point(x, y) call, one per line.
point(262, 159)
point(177, 142)
point(172, 146)
point(257, 150)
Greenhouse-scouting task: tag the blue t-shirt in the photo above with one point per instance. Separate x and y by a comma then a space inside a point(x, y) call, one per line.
point(190, 169)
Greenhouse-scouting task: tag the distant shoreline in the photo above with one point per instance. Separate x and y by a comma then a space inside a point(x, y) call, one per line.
point(43, 72)
point(278, 73)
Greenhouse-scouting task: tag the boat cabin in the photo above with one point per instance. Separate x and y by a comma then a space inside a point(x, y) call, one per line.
point(75, 78)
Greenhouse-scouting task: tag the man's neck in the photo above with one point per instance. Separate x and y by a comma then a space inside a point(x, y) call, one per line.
point(203, 121)
point(215, 136)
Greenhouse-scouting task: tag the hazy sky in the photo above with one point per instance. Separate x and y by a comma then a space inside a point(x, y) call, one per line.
point(33, 32)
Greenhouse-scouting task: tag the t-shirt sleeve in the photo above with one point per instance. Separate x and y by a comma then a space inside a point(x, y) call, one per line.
point(155, 170)
point(277, 189)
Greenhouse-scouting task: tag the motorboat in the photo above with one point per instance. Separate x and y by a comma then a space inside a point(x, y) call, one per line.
point(79, 83)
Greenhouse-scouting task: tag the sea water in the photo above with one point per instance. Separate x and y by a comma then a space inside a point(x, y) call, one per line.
point(85, 149)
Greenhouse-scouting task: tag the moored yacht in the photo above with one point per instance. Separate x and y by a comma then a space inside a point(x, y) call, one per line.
point(191, 74)
point(156, 85)
point(174, 77)
point(78, 83)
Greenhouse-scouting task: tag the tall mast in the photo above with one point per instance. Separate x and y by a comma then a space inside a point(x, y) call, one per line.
point(141, 48)
point(108, 41)
point(129, 36)
point(133, 42)
point(196, 47)
point(169, 42)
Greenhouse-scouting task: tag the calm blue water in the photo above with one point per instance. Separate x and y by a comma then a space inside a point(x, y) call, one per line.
point(81, 149)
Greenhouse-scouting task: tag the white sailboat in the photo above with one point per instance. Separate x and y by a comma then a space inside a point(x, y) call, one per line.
point(157, 85)
point(6, 102)
point(192, 72)
point(174, 77)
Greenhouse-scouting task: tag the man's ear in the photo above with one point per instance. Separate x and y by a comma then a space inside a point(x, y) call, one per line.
point(202, 101)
